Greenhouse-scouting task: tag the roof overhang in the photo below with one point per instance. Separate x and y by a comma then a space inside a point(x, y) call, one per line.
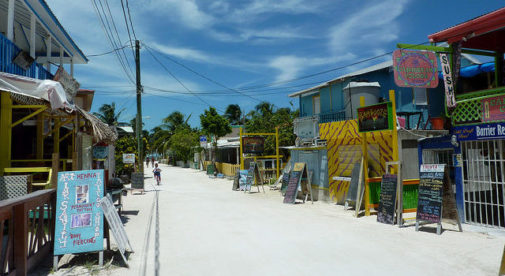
point(49, 21)
point(486, 32)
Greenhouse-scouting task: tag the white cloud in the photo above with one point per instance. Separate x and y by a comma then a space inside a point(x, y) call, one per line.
point(186, 12)
point(290, 66)
point(369, 27)
point(261, 7)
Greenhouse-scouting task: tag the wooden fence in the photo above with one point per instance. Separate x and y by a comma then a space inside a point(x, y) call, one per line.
point(28, 231)
point(224, 168)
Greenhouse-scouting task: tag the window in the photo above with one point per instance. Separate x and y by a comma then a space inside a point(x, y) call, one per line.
point(420, 96)
point(316, 104)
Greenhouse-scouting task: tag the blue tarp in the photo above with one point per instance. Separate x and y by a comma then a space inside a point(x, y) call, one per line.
point(473, 70)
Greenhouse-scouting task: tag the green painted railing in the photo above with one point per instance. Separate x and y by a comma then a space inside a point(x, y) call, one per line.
point(469, 107)
point(410, 190)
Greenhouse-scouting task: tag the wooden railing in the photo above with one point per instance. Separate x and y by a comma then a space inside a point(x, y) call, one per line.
point(28, 231)
point(224, 168)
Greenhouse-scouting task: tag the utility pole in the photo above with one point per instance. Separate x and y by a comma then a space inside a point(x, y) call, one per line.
point(139, 109)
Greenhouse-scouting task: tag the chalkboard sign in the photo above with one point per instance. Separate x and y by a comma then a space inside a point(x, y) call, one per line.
point(292, 188)
point(137, 180)
point(285, 181)
point(387, 203)
point(429, 203)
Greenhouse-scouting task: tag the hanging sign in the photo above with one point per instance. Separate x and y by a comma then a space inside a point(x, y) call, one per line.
point(415, 68)
point(203, 141)
point(128, 158)
point(79, 220)
point(68, 82)
point(253, 144)
point(375, 117)
point(493, 109)
point(450, 99)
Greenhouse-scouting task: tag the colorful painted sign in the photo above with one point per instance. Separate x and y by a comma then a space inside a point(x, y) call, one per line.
point(480, 132)
point(253, 144)
point(450, 99)
point(415, 68)
point(79, 220)
point(128, 158)
point(493, 109)
point(375, 117)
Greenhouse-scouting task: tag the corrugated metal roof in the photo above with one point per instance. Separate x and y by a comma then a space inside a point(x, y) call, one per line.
point(369, 69)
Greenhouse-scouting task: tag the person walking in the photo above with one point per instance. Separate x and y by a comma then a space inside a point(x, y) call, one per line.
point(157, 174)
point(147, 162)
point(152, 160)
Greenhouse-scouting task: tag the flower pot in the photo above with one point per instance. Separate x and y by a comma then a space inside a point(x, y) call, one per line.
point(437, 123)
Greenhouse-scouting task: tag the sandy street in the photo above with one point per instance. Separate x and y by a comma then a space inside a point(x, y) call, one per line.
point(201, 227)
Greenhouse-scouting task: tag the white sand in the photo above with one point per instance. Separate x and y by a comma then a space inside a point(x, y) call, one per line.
point(205, 228)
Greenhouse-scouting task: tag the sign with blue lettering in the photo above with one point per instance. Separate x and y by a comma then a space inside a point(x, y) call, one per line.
point(79, 220)
point(480, 132)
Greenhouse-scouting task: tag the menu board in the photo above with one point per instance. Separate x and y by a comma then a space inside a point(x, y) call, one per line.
point(79, 220)
point(292, 188)
point(250, 176)
point(137, 180)
point(242, 180)
point(284, 181)
point(387, 204)
point(429, 203)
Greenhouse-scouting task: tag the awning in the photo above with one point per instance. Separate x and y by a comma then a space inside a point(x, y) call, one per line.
point(48, 90)
point(473, 70)
point(485, 32)
point(43, 92)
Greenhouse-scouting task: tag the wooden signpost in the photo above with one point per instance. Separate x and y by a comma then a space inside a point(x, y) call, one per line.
point(254, 178)
point(361, 189)
point(137, 180)
point(352, 192)
point(236, 181)
point(435, 197)
point(299, 181)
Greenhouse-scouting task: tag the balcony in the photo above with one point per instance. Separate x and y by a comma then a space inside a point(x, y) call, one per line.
point(8, 51)
point(469, 106)
point(332, 116)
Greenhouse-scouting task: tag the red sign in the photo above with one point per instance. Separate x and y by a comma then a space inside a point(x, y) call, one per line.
point(493, 109)
point(415, 68)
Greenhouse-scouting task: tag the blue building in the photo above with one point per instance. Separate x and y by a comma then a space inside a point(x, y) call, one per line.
point(331, 99)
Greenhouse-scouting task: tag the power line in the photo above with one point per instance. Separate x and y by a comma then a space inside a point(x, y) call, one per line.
point(118, 37)
point(131, 22)
point(179, 81)
point(203, 76)
point(127, 27)
point(109, 52)
point(108, 36)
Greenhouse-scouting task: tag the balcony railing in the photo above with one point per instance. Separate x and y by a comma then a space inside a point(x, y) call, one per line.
point(333, 116)
point(469, 106)
point(8, 50)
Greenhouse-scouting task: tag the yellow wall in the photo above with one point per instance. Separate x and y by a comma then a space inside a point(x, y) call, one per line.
point(224, 168)
point(344, 150)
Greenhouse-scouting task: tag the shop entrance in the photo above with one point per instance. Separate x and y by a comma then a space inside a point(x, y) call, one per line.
point(483, 182)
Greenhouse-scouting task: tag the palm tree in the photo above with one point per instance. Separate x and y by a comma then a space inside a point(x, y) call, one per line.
point(233, 114)
point(107, 113)
point(174, 120)
point(265, 108)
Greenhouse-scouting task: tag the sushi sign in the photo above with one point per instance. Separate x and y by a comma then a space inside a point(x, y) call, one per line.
point(79, 220)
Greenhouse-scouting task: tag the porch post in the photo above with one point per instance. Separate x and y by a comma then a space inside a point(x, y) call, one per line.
point(5, 130)
point(61, 55)
point(40, 136)
point(71, 66)
point(33, 25)
point(10, 20)
point(56, 136)
point(48, 53)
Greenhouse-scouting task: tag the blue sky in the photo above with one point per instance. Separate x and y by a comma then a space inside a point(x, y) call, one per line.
point(240, 44)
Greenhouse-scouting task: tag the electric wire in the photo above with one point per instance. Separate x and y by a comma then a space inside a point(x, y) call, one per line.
point(127, 27)
point(109, 52)
point(107, 35)
point(119, 38)
point(130, 17)
point(203, 76)
point(177, 79)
